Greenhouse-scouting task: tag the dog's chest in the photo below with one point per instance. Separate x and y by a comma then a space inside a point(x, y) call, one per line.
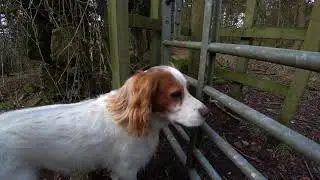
point(133, 151)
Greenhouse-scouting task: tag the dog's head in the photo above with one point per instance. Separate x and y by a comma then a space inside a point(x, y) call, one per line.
point(160, 91)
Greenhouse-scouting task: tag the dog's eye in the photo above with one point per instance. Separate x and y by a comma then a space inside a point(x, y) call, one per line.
point(176, 95)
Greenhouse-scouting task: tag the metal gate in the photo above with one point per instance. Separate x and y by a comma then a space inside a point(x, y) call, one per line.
point(308, 60)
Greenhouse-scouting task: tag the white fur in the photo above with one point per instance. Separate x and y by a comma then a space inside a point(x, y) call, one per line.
point(82, 136)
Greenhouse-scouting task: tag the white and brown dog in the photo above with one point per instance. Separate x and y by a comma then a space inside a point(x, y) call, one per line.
point(118, 130)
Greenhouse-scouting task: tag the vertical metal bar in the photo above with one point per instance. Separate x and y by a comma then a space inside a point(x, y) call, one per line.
point(204, 49)
point(166, 29)
point(202, 67)
point(193, 175)
point(177, 18)
point(180, 153)
point(175, 145)
point(214, 38)
point(211, 172)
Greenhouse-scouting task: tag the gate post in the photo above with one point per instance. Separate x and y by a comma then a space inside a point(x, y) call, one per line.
point(301, 77)
point(166, 31)
point(156, 39)
point(242, 65)
point(118, 22)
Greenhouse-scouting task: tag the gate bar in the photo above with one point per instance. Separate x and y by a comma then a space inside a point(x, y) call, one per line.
point(180, 153)
point(250, 171)
point(299, 142)
point(195, 138)
point(211, 172)
point(233, 155)
point(204, 46)
point(296, 58)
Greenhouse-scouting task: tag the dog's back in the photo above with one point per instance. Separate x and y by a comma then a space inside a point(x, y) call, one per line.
point(47, 136)
point(67, 137)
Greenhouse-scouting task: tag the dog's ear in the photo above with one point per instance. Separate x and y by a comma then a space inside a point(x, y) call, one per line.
point(140, 103)
point(132, 104)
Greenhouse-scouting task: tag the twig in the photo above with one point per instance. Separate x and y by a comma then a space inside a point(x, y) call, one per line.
point(76, 31)
point(250, 157)
point(310, 173)
point(2, 69)
point(310, 122)
point(224, 110)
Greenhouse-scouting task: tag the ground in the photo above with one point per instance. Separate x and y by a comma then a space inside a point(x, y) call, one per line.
point(274, 160)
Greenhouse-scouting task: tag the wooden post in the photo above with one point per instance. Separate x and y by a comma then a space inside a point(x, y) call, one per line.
point(242, 65)
point(177, 19)
point(117, 19)
point(196, 33)
point(301, 77)
point(156, 39)
point(166, 33)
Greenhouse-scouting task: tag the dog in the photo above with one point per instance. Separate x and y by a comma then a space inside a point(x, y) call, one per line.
point(118, 130)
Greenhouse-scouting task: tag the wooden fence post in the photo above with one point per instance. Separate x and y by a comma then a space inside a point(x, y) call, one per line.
point(156, 38)
point(166, 30)
point(242, 65)
point(196, 33)
point(301, 77)
point(118, 22)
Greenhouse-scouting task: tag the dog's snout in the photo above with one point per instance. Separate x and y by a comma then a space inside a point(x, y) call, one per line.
point(204, 111)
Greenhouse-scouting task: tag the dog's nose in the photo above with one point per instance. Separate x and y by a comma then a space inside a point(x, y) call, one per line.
point(204, 111)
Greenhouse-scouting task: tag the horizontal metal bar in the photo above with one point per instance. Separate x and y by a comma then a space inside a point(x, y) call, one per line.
point(180, 153)
point(299, 142)
point(233, 155)
point(295, 58)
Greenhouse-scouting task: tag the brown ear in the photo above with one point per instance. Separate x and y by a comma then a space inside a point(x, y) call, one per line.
point(132, 104)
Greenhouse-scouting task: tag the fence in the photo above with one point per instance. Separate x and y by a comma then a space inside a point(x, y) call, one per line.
point(306, 60)
point(171, 13)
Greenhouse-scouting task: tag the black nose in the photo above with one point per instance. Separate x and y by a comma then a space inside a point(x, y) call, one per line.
point(204, 111)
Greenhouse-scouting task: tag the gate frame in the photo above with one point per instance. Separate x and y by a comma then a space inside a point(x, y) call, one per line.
point(305, 60)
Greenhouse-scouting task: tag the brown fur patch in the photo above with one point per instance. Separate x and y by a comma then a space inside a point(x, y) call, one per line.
point(144, 93)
